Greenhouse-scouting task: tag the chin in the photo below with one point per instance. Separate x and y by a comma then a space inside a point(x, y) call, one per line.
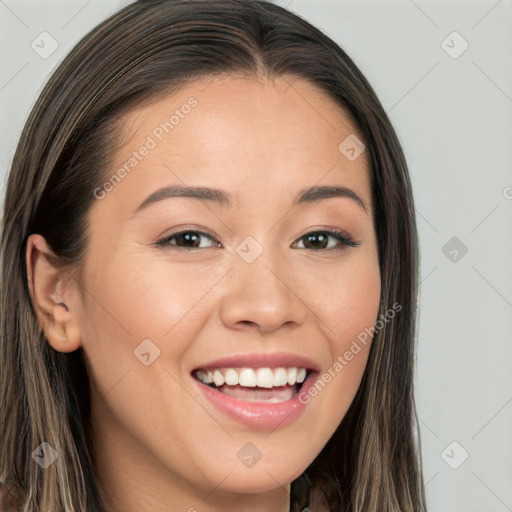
point(263, 476)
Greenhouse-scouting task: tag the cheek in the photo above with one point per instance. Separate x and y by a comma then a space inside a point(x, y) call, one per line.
point(347, 306)
point(135, 299)
point(346, 296)
point(355, 306)
point(357, 310)
point(145, 298)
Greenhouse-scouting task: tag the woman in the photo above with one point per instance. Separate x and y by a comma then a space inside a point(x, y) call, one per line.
point(269, 364)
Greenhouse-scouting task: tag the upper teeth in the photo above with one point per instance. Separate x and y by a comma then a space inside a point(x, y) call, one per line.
point(250, 378)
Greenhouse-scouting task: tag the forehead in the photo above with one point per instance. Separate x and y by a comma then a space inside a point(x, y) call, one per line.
point(256, 138)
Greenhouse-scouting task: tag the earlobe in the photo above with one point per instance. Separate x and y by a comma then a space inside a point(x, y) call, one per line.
point(63, 334)
point(49, 287)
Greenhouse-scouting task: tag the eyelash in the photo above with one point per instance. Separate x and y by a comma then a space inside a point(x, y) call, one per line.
point(338, 234)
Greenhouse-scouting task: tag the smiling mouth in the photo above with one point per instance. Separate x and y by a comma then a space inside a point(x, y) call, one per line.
point(268, 385)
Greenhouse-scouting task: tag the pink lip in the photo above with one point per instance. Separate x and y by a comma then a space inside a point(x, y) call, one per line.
point(258, 415)
point(272, 360)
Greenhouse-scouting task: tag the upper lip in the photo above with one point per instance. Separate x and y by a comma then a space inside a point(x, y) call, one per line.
point(261, 360)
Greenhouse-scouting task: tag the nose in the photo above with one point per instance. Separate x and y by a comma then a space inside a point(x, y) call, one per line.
point(262, 294)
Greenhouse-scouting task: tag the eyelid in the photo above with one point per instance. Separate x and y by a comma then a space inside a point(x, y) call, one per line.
point(163, 241)
point(341, 235)
point(344, 238)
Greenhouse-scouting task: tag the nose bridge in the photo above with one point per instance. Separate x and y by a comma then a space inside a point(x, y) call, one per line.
point(261, 288)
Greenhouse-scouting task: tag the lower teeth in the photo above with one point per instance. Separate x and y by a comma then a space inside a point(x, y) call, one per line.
point(274, 395)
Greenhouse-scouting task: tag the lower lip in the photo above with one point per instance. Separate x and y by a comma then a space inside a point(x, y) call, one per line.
point(258, 415)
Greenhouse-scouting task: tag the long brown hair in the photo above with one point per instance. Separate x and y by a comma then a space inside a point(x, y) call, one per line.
point(148, 49)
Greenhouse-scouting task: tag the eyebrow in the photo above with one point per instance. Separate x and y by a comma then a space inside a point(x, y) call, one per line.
point(305, 196)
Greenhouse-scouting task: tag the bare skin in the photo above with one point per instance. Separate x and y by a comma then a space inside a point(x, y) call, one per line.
point(162, 446)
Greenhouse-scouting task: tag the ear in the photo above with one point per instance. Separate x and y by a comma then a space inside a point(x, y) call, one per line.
point(51, 290)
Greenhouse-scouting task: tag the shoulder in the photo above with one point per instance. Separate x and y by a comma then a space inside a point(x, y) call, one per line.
point(7, 502)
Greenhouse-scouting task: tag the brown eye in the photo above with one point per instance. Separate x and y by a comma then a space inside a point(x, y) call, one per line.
point(320, 240)
point(186, 240)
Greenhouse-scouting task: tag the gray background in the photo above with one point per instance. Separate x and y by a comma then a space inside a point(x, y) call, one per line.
point(453, 115)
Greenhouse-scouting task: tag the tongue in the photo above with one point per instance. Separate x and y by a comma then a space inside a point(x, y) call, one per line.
point(272, 395)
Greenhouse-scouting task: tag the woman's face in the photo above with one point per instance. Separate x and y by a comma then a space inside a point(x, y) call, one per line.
point(255, 282)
